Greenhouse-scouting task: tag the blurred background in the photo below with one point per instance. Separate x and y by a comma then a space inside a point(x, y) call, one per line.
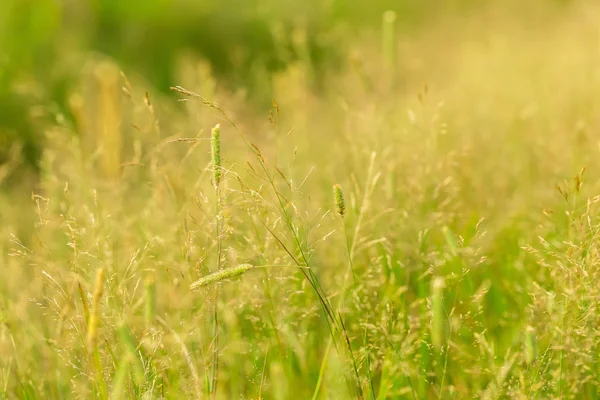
point(45, 44)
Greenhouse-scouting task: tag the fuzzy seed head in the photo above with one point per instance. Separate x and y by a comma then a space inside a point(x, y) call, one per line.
point(221, 275)
point(338, 196)
point(215, 142)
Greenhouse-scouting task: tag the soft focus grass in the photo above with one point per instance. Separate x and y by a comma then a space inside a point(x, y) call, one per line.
point(465, 264)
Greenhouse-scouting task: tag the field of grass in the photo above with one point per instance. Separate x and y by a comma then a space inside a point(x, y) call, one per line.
point(429, 227)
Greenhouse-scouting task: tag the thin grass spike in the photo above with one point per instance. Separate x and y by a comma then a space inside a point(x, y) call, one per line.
point(340, 205)
point(215, 143)
point(221, 276)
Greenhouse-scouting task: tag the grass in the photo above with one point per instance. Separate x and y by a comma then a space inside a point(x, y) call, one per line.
point(456, 257)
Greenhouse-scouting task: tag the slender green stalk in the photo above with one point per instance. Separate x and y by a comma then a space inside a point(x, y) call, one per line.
point(444, 371)
point(341, 210)
point(562, 353)
point(340, 207)
point(322, 370)
point(359, 390)
point(369, 376)
point(216, 167)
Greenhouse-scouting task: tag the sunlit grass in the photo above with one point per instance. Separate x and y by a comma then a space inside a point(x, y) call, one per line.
point(456, 257)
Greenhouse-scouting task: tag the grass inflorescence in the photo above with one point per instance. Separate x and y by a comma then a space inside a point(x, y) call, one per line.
point(221, 275)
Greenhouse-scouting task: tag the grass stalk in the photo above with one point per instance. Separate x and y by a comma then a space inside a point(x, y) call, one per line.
point(217, 174)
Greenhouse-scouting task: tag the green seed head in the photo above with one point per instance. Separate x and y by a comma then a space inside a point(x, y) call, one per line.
point(221, 275)
point(215, 142)
point(338, 196)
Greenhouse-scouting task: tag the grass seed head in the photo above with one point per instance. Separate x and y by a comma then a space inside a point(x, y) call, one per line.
point(221, 275)
point(338, 196)
point(215, 143)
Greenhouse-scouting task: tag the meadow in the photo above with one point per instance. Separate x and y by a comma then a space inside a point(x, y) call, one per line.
point(425, 227)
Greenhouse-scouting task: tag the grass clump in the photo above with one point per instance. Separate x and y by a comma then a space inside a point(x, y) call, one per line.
point(447, 265)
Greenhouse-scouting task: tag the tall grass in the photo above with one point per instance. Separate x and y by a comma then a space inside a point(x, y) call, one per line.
point(456, 257)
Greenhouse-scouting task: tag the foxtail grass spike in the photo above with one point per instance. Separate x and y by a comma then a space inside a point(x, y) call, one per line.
point(221, 275)
point(215, 142)
point(338, 196)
